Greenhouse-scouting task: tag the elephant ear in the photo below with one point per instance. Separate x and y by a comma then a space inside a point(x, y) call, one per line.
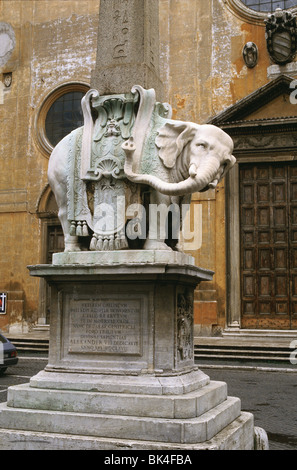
point(172, 138)
point(231, 162)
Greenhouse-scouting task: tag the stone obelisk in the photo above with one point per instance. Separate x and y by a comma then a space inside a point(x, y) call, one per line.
point(128, 47)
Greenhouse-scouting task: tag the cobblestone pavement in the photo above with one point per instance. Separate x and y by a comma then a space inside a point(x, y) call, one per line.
point(270, 395)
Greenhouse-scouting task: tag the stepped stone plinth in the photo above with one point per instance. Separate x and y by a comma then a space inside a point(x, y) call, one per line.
point(121, 371)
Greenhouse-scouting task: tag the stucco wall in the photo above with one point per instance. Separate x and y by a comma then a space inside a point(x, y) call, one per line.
point(55, 43)
point(203, 71)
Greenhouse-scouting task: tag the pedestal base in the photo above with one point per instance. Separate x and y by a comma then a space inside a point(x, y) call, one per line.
point(82, 411)
point(237, 436)
point(121, 372)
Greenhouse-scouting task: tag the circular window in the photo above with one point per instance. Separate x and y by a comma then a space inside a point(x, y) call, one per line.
point(269, 6)
point(64, 115)
point(256, 11)
point(60, 114)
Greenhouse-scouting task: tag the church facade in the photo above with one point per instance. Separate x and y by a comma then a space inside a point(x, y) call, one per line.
point(226, 62)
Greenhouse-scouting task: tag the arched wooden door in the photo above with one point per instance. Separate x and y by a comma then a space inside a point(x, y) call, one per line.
point(52, 241)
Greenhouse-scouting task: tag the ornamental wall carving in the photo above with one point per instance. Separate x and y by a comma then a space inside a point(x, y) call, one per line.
point(7, 42)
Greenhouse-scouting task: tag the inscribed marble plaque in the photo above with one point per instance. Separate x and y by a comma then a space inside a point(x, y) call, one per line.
point(105, 326)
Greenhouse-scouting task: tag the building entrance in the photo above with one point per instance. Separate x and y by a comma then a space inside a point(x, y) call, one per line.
point(268, 245)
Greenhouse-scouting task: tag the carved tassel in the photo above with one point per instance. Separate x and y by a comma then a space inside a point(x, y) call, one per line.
point(93, 243)
point(79, 230)
point(105, 245)
point(99, 245)
point(72, 230)
point(85, 231)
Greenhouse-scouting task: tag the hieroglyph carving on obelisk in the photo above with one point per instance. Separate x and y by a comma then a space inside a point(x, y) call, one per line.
point(128, 47)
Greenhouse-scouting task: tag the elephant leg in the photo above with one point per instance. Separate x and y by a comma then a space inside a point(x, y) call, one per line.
point(57, 177)
point(70, 241)
point(158, 213)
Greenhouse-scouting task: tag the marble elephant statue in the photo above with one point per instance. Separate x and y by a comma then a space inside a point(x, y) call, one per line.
point(190, 158)
point(132, 139)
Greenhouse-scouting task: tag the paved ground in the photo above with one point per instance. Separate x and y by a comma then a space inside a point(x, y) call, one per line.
point(270, 395)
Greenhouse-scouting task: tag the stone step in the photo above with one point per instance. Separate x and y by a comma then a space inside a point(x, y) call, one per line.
point(143, 384)
point(29, 344)
point(183, 431)
point(190, 405)
point(238, 435)
point(221, 357)
point(245, 352)
point(263, 335)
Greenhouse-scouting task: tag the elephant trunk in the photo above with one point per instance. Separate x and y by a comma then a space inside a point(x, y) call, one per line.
point(195, 183)
point(170, 189)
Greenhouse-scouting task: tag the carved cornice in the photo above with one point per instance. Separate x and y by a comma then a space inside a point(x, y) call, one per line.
point(276, 135)
point(256, 100)
point(265, 143)
point(283, 124)
point(262, 136)
point(238, 8)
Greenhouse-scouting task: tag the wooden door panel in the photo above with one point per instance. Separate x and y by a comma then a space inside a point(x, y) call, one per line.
point(292, 197)
point(55, 244)
point(268, 225)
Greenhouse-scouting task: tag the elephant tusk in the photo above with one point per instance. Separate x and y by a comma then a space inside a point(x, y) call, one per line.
point(193, 171)
point(213, 184)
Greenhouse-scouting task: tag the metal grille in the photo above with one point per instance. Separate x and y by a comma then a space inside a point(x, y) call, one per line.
point(269, 5)
point(64, 116)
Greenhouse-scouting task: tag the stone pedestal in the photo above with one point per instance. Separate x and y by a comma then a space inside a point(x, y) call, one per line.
point(121, 372)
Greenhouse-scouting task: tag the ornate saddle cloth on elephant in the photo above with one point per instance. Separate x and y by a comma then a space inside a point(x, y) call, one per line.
point(98, 190)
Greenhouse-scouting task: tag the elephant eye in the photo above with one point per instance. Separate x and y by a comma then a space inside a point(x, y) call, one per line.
point(201, 144)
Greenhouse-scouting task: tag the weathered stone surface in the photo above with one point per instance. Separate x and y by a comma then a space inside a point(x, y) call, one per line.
point(122, 257)
point(130, 314)
point(185, 431)
point(146, 384)
point(182, 406)
point(7, 42)
point(128, 47)
point(154, 394)
point(236, 436)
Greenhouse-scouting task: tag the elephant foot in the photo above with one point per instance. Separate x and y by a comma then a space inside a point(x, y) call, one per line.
point(178, 247)
point(71, 244)
point(71, 247)
point(113, 242)
point(156, 245)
